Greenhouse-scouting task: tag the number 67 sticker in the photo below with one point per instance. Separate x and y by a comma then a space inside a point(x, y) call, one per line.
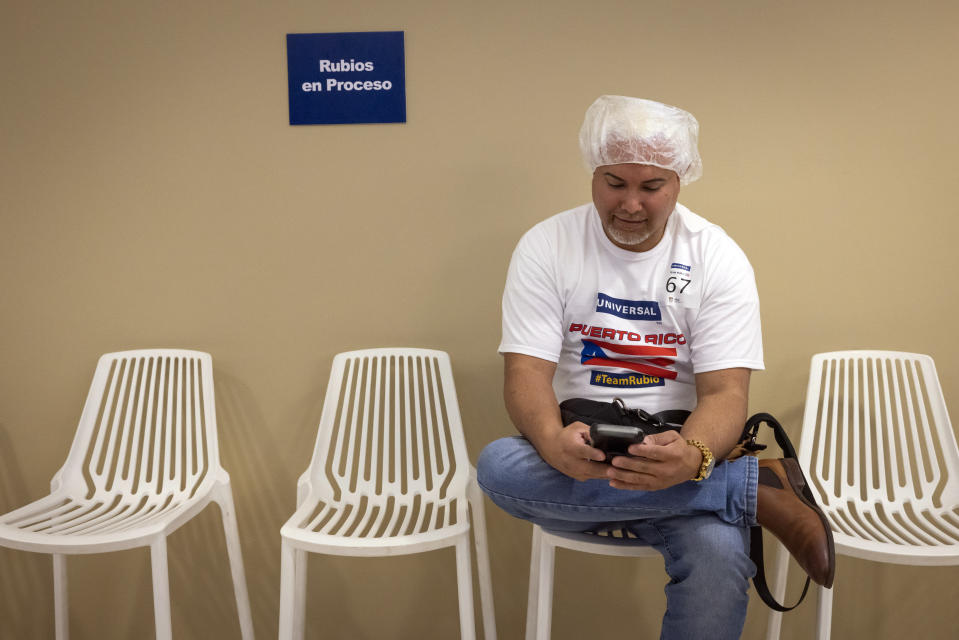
point(677, 283)
point(680, 290)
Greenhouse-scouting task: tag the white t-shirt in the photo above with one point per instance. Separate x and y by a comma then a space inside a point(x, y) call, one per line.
point(632, 325)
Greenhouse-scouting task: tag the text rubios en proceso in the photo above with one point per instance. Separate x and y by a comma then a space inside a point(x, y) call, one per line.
point(346, 66)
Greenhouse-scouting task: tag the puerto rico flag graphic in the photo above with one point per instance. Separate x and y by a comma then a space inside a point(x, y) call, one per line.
point(645, 359)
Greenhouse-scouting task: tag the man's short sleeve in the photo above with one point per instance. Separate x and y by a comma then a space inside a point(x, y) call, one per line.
point(532, 306)
point(726, 332)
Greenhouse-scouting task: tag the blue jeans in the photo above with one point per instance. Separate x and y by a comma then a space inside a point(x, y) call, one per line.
point(700, 528)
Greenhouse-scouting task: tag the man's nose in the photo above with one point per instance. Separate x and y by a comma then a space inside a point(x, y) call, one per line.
point(632, 204)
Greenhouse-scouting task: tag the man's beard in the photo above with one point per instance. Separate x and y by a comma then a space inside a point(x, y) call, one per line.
point(626, 238)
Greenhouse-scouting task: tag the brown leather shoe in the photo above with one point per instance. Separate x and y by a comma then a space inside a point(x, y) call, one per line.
point(799, 524)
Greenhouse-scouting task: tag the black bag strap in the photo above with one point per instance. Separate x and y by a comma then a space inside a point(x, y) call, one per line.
point(750, 431)
point(673, 417)
point(759, 580)
point(782, 438)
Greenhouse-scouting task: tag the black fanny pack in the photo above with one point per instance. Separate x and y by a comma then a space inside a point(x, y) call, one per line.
point(593, 412)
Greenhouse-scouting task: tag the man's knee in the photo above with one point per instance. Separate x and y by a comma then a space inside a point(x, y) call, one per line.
point(497, 463)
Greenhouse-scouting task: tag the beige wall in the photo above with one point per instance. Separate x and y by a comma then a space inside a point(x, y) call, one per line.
point(152, 193)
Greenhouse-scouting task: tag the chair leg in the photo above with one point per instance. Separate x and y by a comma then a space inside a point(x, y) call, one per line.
point(61, 605)
point(544, 605)
point(778, 589)
point(161, 589)
point(532, 600)
point(288, 587)
point(299, 604)
point(482, 558)
point(464, 583)
point(232, 533)
point(824, 613)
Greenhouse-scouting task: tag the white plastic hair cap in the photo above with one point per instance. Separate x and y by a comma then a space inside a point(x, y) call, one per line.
point(619, 130)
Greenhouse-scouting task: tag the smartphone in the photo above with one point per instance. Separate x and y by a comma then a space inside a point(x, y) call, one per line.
point(614, 439)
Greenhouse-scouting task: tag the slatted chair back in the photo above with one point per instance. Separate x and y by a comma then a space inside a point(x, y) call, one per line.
point(390, 443)
point(148, 428)
point(881, 454)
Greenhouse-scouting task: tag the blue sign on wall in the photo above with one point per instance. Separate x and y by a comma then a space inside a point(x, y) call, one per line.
point(346, 78)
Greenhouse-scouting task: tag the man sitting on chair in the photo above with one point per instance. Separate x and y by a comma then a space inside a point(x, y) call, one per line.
point(634, 296)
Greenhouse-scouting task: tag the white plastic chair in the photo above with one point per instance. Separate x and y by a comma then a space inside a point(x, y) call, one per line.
point(880, 455)
point(389, 475)
point(539, 608)
point(143, 462)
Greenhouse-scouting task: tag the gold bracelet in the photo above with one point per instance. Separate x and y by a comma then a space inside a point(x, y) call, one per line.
point(706, 468)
